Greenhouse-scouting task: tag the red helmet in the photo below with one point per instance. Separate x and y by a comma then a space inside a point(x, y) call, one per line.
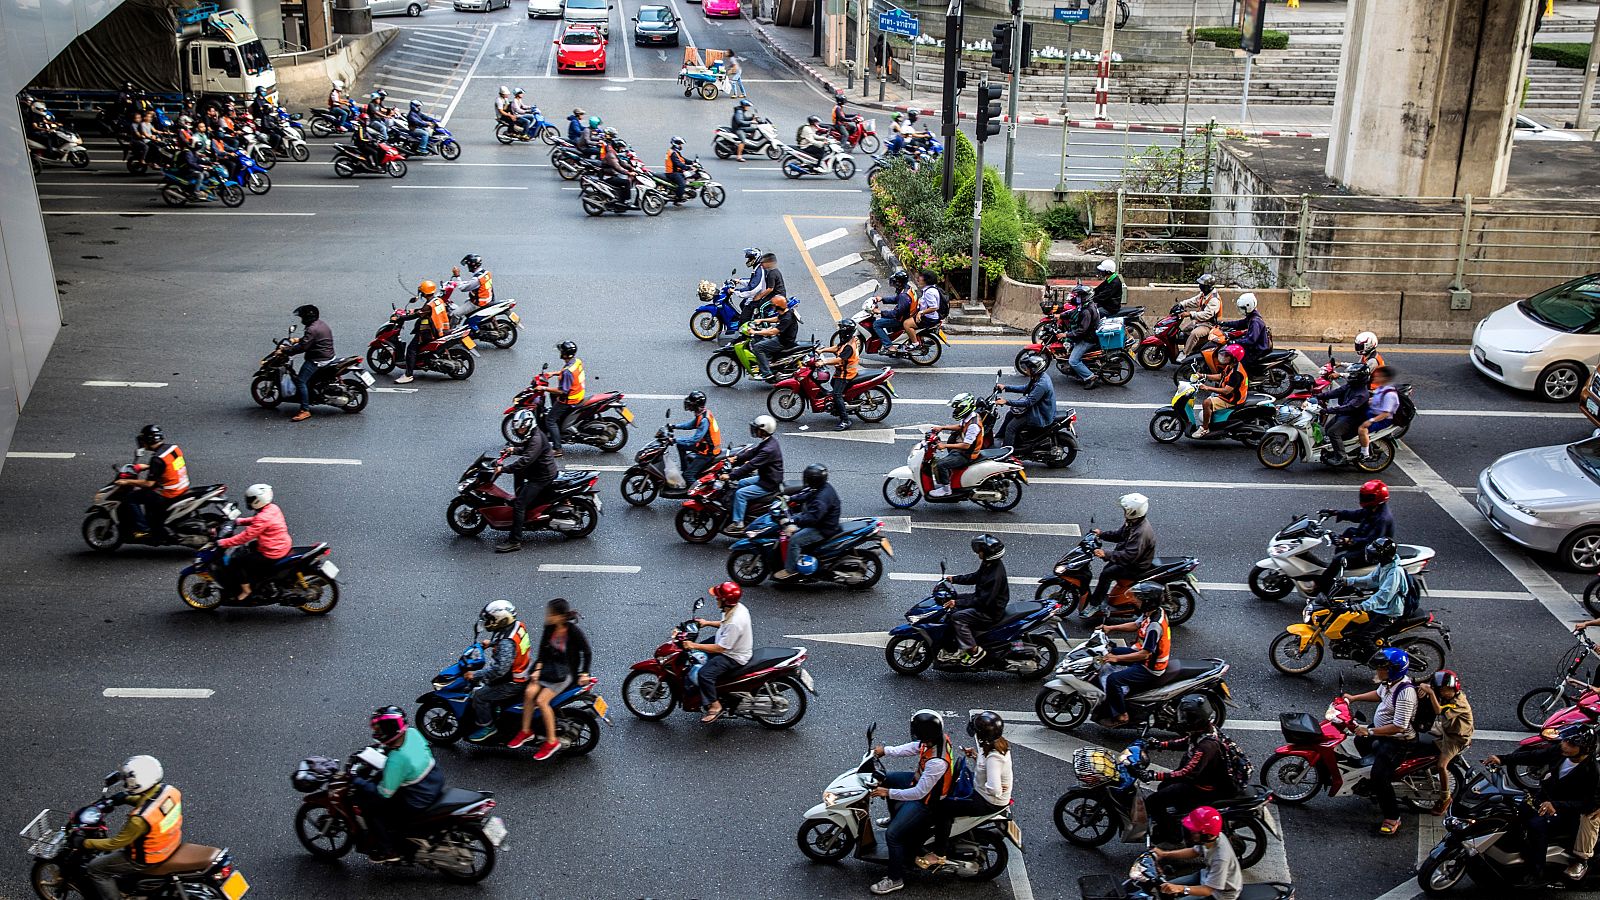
point(727, 592)
point(1374, 493)
point(1204, 820)
point(1235, 351)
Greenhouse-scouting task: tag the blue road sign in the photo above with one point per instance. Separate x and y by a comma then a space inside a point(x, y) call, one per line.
point(898, 21)
point(1071, 14)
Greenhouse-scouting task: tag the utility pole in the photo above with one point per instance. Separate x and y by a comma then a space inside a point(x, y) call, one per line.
point(1019, 58)
point(1102, 82)
point(988, 126)
point(1188, 81)
point(949, 93)
point(1588, 80)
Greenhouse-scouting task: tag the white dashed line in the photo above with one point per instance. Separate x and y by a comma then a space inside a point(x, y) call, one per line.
point(32, 454)
point(821, 239)
point(828, 268)
point(864, 289)
point(605, 570)
point(158, 693)
point(126, 384)
point(308, 461)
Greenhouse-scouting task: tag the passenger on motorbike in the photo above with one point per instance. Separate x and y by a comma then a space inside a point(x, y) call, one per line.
point(1257, 339)
point(756, 288)
point(674, 168)
point(1372, 521)
point(892, 318)
point(1391, 733)
point(339, 105)
point(153, 832)
point(565, 395)
point(778, 336)
point(912, 795)
point(1386, 603)
point(1082, 324)
point(1142, 663)
point(564, 659)
point(730, 649)
point(743, 126)
point(1135, 548)
point(266, 535)
point(756, 470)
point(1109, 293)
point(986, 606)
point(1200, 313)
point(813, 141)
point(1228, 387)
point(522, 113)
point(903, 131)
point(317, 345)
point(165, 478)
point(1220, 875)
point(1037, 406)
point(845, 358)
point(1569, 789)
point(1202, 778)
point(1344, 408)
point(589, 141)
point(409, 784)
point(575, 125)
point(1452, 717)
point(533, 469)
point(421, 125)
point(141, 137)
point(966, 434)
point(368, 138)
point(925, 309)
point(1381, 407)
point(614, 164)
point(430, 319)
point(507, 664)
point(991, 784)
point(699, 440)
point(816, 521)
point(377, 114)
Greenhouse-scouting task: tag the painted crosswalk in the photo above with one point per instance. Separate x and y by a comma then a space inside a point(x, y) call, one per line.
point(833, 249)
point(430, 65)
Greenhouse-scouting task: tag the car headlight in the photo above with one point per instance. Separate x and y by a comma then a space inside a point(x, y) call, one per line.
point(1525, 510)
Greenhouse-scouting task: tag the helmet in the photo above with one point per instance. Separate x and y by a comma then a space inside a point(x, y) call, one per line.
point(498, 615)
point(1246, 302)
point(505, 91)
point(1206, 282)
point(578, 111)
point(742, 103)
point(988, 547)
point(338, 85)
point(185, 121)
point(1235, 351)
point(677, 142)
point(727, 592)
point(1194, 713)
point(845, 328)
point(1134, 506)
point(257, 496)
point(379, 94)
point(1080, 293)
point(813, 120)
point(1580, 736)
point(1032, 365)
point(1360, 376)
point(594, 121)
point(1366, 342)
point(912, 115)
point(986, 726)
point(927, 726)
point(1203, 820)
point(1374, 493)
point(1383, 548)
point(141, 773)
point(427, 288)
point(1107, 265)
point(307, 313)
point(610, 133)
point(694, 400)
point(261, 91)
point(895, 117)
point(963, 404)
point(1149, 595)
point(899, 278)
point(416, 105)
point(38, 106)
point(763, 426)
point(815, 475)
point(751, 256)
point(151, 435)
point(472, 261)
point(1444, 678)
point(517, 93)
point(388, 724)
point(1395, 660)
point(838, 99)
point(566, 349)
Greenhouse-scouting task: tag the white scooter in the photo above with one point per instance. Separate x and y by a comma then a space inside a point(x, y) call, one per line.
point(63, 147)
point(994, 481)
point(496, 323)
point(1298, 435)
point(842, 823)
point(837, 159)
point(725, 143)
point(1078, 686)
point(1299, 554)
point(926, 352)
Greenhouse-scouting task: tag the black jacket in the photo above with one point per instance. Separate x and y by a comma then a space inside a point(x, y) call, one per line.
point(1108, 294)
point(765, 459)
point(1576, 792)
point(533, 460)
point(1086, 322)
point(556, 665)
point(820, 510)
point(1371, 523)
point(991, 593)
point(1135, 544)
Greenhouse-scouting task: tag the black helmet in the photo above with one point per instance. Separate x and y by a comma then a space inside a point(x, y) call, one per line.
point(1360, 377)
point(695, 401)
point(472, 261)
point(261, 91)
point(986, 726)
point(927, 727)
point(1580, 736)
point(1150, 596)
point(1206, 282)
point(1194, 713)
point(308, 313)
point(899, 278)
point(567, 349)
point(845, 326)
point(1032, 365)
point(988, 547)
point(813, 120)
point(1444, 678)
point(912, 115)
point(150, 435)
point(815, 476)
point(1383, 549)
point(838, 99)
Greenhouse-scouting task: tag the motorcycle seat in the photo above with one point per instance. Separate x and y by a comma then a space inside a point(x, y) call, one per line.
point(1250, 797)
point(574, 475)
point(296, 553)
point(761, 658)
point(600, 399)
point(1127, 312)
point(1254, 398)
point(201, 489)
point(453, 799)
point(1181, 669)
point(1266, 890)
point(187, 858)
point(1275, 356)
point(798, 350)
point(1409, 622)
point(1164, 566)
point(1424, 745)
point(995, 453)
point(1016, 612)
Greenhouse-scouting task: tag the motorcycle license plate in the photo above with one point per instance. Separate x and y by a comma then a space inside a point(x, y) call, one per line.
point(886, 548)
point(366, 378)
point(808, 681)
point(1014, 832)
point(468, 343)
point(515, 319)
point(600, 706)
point(890, 386)
point(235, 887)
point(627, 414)
point(328, 570)
point(495, 830)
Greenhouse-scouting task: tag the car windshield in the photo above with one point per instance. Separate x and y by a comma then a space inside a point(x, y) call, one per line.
point(580, 37)
point(586, 4)
point(658, 14)
point(1586, 456)
point(1568, 307)
point(255, 58)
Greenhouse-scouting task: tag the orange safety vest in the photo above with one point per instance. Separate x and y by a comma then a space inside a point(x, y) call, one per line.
point(485, 287)
point(438, 316)
point(712, 442)
point(575, 394)
point(1158, 663)
point(164, 814)
point(943, 789)
point(849, 365)
point(976, 449)
point(670, 166)
point(175, 479)
point(522, 663)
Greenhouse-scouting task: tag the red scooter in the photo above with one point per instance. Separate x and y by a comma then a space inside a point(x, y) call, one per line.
point(771, 688)
point(1165, 344)
point(864, 135)
point(591, 423)
point(348, 161)
point(1114, 367)
point(571, 508)
point(709, 506)
point(870, 398)
point(451, 353)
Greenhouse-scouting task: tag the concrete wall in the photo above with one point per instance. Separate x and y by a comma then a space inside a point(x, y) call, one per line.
point(306, 84)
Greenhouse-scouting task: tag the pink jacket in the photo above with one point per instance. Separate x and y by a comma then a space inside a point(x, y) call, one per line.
point(267, 529)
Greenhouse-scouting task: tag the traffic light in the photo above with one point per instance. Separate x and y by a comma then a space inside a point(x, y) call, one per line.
point(1027, 44)
point(1001, 59)
point(988, 111)
point(961, 80)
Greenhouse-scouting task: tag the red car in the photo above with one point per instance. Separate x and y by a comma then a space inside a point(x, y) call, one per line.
point(581, 47)
point(720, 8)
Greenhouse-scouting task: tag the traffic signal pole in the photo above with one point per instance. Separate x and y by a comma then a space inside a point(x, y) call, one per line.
point(948, 94)
point(988, 122)
point(1017, 62)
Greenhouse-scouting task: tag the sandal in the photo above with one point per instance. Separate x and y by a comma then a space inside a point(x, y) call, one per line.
point(1442, 807)
point(1389, 827)
point(708, 718)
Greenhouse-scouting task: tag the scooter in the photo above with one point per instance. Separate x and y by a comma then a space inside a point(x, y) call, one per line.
point(285, 135)
point(348, 162)
point(339, 382)
point(1301, 646)
point(1055, 445)
point(1299, 553)
point(708, 507)
point(191, 519)
point(716, 315)
point(863, 134)
point(1021, 643)
point(601, 419)
point(994, 480)
point(870, 397)
point(248, 173)
point(453, 353)
point(1067, 699)
point(925, 352)
point(1322, 757)
point(1072, 580)
point(798, 163)
point(654, 469)
point(324, 121)
point(599, 197)
point(842, 824)
point(915, 155)
point(1056, 306)
point(845, 559)
point(1246, 423)
point(305, 579)
point(570, 162)
point(697, 184)
point(729, 364)
point(570, 508)
point(725, 143)
point(441, 143)
point(66, 147)
point(492, 321)
point(508, 133)
point(1298, 435)
point(1145, 878)
point(158, 154)
point(1271, 373)
point(214, 184)
point(256, 145)
point(1109, 362)
point(771, 688)
point(1165, 343)
point(444, 714)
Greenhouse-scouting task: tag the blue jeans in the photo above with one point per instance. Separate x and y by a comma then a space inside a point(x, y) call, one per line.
point(1122, 682)
point(423, 136)
point(526, 124)
point(896, 144)
point(736, 85)
point(748, 490)
point(704, 684)
point(798, 543)
point(909, 821)
point(886, 327)
point(343, 114)
point(302, 382)
point(1075, 359)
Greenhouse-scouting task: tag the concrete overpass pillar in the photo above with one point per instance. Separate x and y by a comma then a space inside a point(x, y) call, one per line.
point(1427, 93)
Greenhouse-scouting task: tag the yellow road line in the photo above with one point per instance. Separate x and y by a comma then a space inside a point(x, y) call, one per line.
point(805, 257)
point(842, 218)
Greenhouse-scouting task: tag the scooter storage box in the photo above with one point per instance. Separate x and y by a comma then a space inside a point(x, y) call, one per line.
point(1111, 334)
point(1300, 728)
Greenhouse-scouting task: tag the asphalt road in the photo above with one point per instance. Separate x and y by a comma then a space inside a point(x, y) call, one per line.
point(187, 301)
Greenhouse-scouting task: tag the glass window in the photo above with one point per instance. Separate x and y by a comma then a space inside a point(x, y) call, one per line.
point(1574, 306)
point(586, 4)
point(588, 38)
point(1586, 455)
point(255, 57)
point(223, 58)
point(654, 15)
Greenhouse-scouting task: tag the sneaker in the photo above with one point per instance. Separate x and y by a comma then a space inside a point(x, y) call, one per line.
point(888, 886)
point(1201, 432)
point(547, 750)
point(482, 734)
point(522, 738)
point(844, 425)
point(508, 546)
point(1367, 454)
point(301, 416)
point(783, 574)
point(940, 491)
point(973, 657)
point(386, 856)
point(882, 821)
point(1577, 870)
point(404, 379)
point(557, 453)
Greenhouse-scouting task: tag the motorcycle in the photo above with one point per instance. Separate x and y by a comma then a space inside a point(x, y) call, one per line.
point(192, 872)
point(508, 133)
point(191, 519)
point(771, 688)
point(925, 352)
point(862, 134)
point(994, 480)
point(599, 197)
point(593, 422)
point(305, 579)
point(708, 507)
point(455, 836)
point(494, 321)
point(66, 147)
point(1483, 833)
point(1056, 306)
point(846, 559)
point(1246, 423)
point(285, 136)
point(571, 507)
point(453, 353)
point(648, 477)
point(1298, 554)
point(324, 122)
point(870, 397)
point(1145, 878)
point(214, 184)
point(729, 364)
point(254, 144)
point(716, 315)
point(570, 162)
point(158, 154)
point(1300, 648)
point(444, 714)
point(248, 173)
point(1298, 435)
point(1067, 699)
point(441, 144)
point(348, 161)
point(725, 143)
point(1540, 708)
point(339, 382)
point(797, 163)
point(1055, 445)
point(915, 155)
point(1072, 580)
point(1271, 373)
point(697, 183)
point(1021, 643)
point(842, 824)
point(1322, 757)
point(1109, 362)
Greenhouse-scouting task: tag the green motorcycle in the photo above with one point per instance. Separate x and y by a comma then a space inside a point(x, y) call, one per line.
point(735, 361)
point(696, 184)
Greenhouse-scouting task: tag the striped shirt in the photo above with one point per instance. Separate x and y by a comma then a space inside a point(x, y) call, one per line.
point(1397, 705)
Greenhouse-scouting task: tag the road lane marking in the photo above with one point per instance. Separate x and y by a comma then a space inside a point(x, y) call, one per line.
point(145, 187)
point(1499, 413)
point(819, 240)
point(1017, 873)
point(1072, 531)
point(456, 187)
point(158, 693)
point(37, 454)
point(309, 461)
point(849, 259)
point(1062, 530)
point(681, 26)
point(126, 384)
point(134, 213)
point(606, 570)
point(447, 71)
point(392, 390)
point(865, 288)
point(879, 639)
point(805, 257)
point(654, 396)
point(1215, 485)
point(467, 81)
point(492, 165)
point(599, 469)
point(627, 44)
point(386, 81)
point(800, 190)
point(866, 435)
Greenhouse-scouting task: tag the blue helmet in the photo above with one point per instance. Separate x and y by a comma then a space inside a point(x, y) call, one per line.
point(1397, 661)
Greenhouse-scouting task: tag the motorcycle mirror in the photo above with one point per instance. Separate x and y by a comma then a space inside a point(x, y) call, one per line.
point(293, 328)
point(871, 730)
point(112, 778)
point(941, 568)
point(699, 602)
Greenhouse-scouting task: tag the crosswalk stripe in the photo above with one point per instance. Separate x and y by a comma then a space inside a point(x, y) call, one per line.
point(387, 80)
point(849, 259)
point(821, 239)
point(865, 288)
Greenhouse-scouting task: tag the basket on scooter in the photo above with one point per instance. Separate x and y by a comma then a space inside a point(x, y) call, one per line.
point(1094, 764)
point(1111, 334)
point(1300, 728)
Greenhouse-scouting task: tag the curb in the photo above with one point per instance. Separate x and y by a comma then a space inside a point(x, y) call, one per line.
point(821, 77)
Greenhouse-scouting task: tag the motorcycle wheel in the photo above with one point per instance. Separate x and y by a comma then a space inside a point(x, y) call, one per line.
point(566, 170)
point(1180, 603)
point(478, 847)
point(705, 326)
point(323, 832)
point(1042, 333)
point(266, 392)
point(1083, 818)
point(901, 493)
point(382, 358)
point(1219, 710)
point(638, 488)
point(1060, 711)
point(101, 531)
point(1443, 869)
point(508, 332)
point(466, 361)
point(713, 195)
point(1277, 451)
point(1183, 370)
point(344, 168)
point(1591, 597)
point(320, 128)
point(135, 167)
point(1427, 657)
point(1016, 362)
point(395, 168)
point(1009, 499)
point(723, 369)
point(786, 404)
point(792, 170)
point(1134, 328)
point(773, 152)
point(588, 518)
point(697, 526)
point(549, 134)
point(1269, 584)
point(747, 567)
point(1166, 426)
point(1275, 382)
point(871, 571)
point(926, 353)
point(824, 840)
point(465, 519)
point(51, 883)
point(1063, 451)
point(299, 152)
point(721, 149)
point(79, 159)
point(1046, 656)
point(1249, 842)
point(199, 592)
point(1153, 356)
point(505, 427)
point(1536, 706)
point(358, 397)
point(844, 168)
point(258, 183)
point(1117, 369)
point(1288, 658)
point(587, 728)
point(1525, 777)
point(1382, 457)
point(874, 405)
point(992, 854)
point(172, 195)
point(264, 156)
point(502, 133)
point(1291, 779)
point(450, 150)
point(231, 195)
point(613, 436)
point(797, 705)
point(908, 654)
point(648, 695)
point(652, 202)
point(438, 722)
point(870, 144)
point(326, 599)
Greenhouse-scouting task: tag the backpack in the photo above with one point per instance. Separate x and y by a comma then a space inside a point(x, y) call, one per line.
point(1240, 769)
point(797, 132)
point(1413, 595)
point(962, 783)
point(944, 304)
point(1267, 337)
point(1408, 407)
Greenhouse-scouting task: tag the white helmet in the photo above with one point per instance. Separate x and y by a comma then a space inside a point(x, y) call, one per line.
point(505, 91)
point(1246, 302)
point(763, 426)
point(1134, 506)
point(141, 773)
point(1107, 265)
point(338, 85)
point(498, 615)
point(258, 495)
point(38, 106)
point(1366, 342)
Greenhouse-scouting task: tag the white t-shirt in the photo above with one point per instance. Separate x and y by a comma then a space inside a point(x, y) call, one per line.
point(735, 636)
point(992, 780)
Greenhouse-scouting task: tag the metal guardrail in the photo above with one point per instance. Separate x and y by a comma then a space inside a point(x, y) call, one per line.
point(291, 59)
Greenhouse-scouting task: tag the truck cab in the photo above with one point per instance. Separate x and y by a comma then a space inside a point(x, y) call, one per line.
point(221, 54)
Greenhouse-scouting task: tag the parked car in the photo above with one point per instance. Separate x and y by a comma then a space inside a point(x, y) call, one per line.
point(481, 5)
point(411, 8)
point(581, 47)
point(1548, 498)
point(590, 12)
point(538, 9)
point(1548, 343)
point(1527, 129)
point(655, 25)
point(728, 8)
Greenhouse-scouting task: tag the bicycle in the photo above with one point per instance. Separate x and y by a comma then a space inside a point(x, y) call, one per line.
point(1122, 11)
point(1539, 704)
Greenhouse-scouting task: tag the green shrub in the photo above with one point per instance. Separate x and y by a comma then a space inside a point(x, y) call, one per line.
point(1063, 222)
point(1001, 229)
point(1566, 56)
point(1230, 38)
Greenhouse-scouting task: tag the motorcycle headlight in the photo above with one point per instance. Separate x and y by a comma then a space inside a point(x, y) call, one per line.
point(1550, 734)
point(1281, 549)
point(1456, 823)
point(442, 682)
point(1061, 569)
point(462, 487)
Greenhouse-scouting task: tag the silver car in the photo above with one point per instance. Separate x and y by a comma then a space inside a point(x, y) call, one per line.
point(593, 12)
point(411, 8)
point(1548, 498)
point(481, 5)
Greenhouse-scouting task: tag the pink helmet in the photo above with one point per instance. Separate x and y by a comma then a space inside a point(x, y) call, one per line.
point(1235, 351)
point(1204, 820)
point(388, 725)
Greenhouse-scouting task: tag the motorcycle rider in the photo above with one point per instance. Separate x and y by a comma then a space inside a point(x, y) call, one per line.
point(1037, 406)
point(1131, 557)
point(317, 345)
point(618, 171)
point(778, 336)
point(1344, 408)
point(674, 168)
point(153, 832)
point(925, 312)
point(816, 522)
point(1083, 323)
point(410, 783)
point(892, 318)
point(1228, 387)
point(1257, 339)
point(339, 106)
point(1453, 727)
point(522, 112)
point(261, 108)
point(165, 478)
point(1142, 663)
point(141, 137)
point(757, 470)
point(421, 125)
point(1367, 350)
point(1387, 600)
point(592, 138)
point(813, 141)
point(1381, 407)
point(563, 660)
point(507, 665)
point(985, 607)
point(368, 138)
point(743, 126)
point(1220, 875)
point(912, 795)
point(575, 125)
point(1391, 734)
point(565, 395)
point(699, 440)
point(1200, 313)
point(266, 534)
point(730, 649)
point(966, 434)
point(478, 286)
point(902, 131)
point(1111, 290)
point(533, 469)
point(1372, 521)
point(1567, 791)
point(377, 114)
point(1202, 778)
point(844, 355)
point(991, 784)
point(844, 121)
point(757, 290)
point(430, 319)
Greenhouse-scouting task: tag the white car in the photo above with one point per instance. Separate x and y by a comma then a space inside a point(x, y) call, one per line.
point(1548, 343)
point(538, 9)
point(1529, 130)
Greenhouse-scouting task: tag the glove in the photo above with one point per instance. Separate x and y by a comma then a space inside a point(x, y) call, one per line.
point(1146, 775)
point(1326, 512)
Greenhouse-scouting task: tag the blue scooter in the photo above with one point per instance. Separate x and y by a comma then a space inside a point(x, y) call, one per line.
point(442, 143)
point(716, 315)
point(846, 559)
point(249, 174)
point(1021, 643)
point(445, 716)
point(506, 133)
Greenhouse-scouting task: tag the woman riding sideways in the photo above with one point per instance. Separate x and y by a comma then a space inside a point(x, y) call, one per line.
point(563, 659)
